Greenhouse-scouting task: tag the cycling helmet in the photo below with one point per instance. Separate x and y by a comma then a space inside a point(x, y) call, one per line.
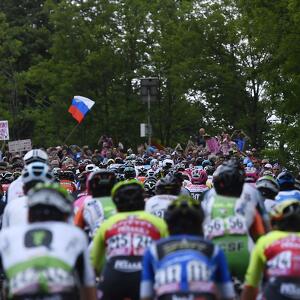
point(129, 173)
point(198, 176)
point(286, 180)
point(268, 186)
point(67, 175)
point(118, 160)
point(100, 183)
point(184, 216)
point(284, 210)
point(169, 185)
point(251, 175)
point(150, 173)
point(209, 170)
point(16, 174)
point(6, 178)
point(128, 195)
point(139, 161)
point(167, 164)
point(154, 164)
point(90, 167)
point(51, 195)
point(228, 179)
point(268, 173)
point(35, 155)
point(142, 171)
point(206, 163)
point(149, 186)
point(56, 173)
point(36, 172)
point(250, 164)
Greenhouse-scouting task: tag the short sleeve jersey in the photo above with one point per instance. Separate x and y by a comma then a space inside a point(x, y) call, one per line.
point(126, 235)
point(157, 205)
point(276, 254)
point(45, 257)
point(185, 264)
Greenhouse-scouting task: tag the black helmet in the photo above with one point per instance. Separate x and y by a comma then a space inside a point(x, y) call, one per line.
point(184, 216)
point(149, 186)
point(129, 173)
point(228, 179)
point(169, 185)
point(100, 183)
point(128, 195)
point(268, 187)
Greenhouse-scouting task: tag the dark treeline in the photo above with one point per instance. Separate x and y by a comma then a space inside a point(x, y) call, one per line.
point(223, 65)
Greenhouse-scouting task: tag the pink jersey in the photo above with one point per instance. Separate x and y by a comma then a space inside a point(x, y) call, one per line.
point(80, 202)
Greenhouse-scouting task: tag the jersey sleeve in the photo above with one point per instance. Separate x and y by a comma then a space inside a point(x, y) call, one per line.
point(257, 227)
point(84, 267)
point(222, 275)
point(5, 217)
point(98, 249)
point(78, 219)
point(256, 266)
point(147, 277)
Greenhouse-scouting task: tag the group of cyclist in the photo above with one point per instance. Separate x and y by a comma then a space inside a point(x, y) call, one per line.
point(149, 226)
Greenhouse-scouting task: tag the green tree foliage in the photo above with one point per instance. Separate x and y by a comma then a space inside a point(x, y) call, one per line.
point(221, 64)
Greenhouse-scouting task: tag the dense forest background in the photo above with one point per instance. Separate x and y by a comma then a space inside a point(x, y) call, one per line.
point(222, 64)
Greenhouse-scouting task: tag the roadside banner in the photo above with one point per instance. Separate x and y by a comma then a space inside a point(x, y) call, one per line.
point(4, 131)
point(19, 146)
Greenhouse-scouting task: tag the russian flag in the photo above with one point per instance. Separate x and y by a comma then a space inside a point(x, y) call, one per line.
point(80, 106)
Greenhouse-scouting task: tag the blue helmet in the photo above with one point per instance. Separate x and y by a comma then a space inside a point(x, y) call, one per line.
point(285, 178)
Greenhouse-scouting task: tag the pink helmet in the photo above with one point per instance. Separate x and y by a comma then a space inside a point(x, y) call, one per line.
point(199, 177)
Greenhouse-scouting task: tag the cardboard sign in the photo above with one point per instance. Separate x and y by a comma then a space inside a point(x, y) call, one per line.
point(4, 131)
point(19, 146)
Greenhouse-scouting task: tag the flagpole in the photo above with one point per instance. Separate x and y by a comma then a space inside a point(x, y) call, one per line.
point(68, 136)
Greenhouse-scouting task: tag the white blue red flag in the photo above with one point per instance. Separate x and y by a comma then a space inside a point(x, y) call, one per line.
point(80, 107)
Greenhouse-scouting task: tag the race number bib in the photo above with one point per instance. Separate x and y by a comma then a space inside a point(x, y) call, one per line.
point(215, 228)
point(236, 225)
point(231, 225)
point(283, 261)
point(197, 271)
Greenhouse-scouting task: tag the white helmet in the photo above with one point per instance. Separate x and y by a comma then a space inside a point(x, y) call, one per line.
point(168, 163)
point(52, 195)
point(37, 171)
point(90, 167)
point(35, 155)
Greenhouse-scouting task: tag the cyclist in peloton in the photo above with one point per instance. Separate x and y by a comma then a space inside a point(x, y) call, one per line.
point(16, 211)
point(121, 241)
point(167, 190)
point(100, 207)
point(185, 266)
point(15, 189)
point(230, 221)
point(276, 256)
point(47, 259)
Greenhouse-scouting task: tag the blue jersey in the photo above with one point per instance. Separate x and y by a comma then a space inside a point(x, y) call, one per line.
point(185, 265)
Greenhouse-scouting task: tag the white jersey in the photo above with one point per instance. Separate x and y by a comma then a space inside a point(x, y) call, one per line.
point(15, 213)
point(15, 189)
point(45, 255)
point(157, 205)
point(93, 214)
point(96, 210)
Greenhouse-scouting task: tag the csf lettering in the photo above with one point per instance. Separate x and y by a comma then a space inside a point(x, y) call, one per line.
point(232, 246)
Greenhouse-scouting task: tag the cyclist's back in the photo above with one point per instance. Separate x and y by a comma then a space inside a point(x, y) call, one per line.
point(122, 240)
point(185, 265)
point(276, 256)
point(231, 221)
